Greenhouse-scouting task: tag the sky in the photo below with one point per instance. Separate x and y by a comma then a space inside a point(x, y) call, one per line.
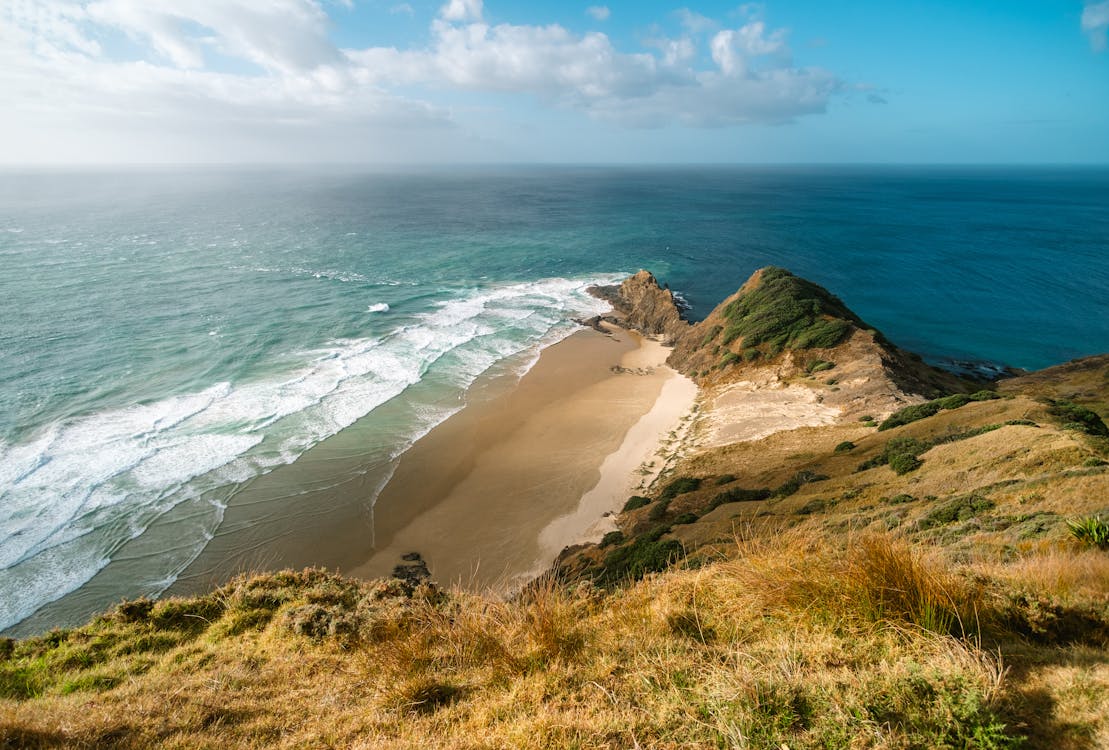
point(467, 81)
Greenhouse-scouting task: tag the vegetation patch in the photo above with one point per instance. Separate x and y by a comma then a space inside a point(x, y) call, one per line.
point(786, 312)
point(1079, 418)
point(739, 495)
point(648, 553)
point(819, 365)
point(845, 447)
point(1090, 531)
point(796, 482)
point(930, 408)
point(960, 509)
point(680, 486)
point(636, 501)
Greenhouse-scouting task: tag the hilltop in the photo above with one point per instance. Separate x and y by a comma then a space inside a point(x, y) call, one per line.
point(891, 557)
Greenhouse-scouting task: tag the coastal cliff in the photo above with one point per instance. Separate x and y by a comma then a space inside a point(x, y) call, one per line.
point(850, 549)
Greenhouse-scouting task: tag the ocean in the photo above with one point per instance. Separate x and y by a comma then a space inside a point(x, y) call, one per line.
point(172, 341)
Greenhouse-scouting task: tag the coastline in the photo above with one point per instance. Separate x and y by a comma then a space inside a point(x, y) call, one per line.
point(490, 497)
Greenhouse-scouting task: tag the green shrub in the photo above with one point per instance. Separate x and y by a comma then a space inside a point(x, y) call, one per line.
point(866, 418)
point(819, 365)
point(1024, 422)
point(929, 408)
point(1079, 418)
point(636, 501)
point(612, 538)
point(794, 483)
point(1090, 531)
point(646, 554)
point(960, 509)
point(680, 486)
point(739, 495)
point(725, 479)
point(845, 447)
point(658, 510)
point(751, 354)
point(685, 518)
point(903, 463)
point(728, 359)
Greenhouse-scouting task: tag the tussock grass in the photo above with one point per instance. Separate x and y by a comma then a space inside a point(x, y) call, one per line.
point(789, 641)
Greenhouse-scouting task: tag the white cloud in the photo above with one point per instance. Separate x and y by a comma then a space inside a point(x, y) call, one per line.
point(462, 10)
point(695, 23)
point(599, 12)
point(1095, 24)
point(299, 96)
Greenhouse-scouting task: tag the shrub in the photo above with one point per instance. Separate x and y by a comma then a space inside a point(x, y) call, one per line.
point(636, 501)
point(845, 447)
point(751, 354)
point(612, 538)
point(1075, 417)
point(794, 483)
point(728, 359)
point(725, 479)
point(680, 486)
point(929, 408)
point(819, 365)
point(1090, 531)
point(959, 509)
point(903, 463)
point(739, 495)
point(646, 554)
point(685, 518)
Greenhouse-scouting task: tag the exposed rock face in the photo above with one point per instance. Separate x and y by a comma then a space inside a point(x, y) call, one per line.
point(645, 306)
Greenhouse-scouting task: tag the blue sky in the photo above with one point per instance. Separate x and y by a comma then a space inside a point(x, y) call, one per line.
point(157, 81)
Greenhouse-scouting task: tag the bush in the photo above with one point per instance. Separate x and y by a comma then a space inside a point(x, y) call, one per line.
point(728, 359)
point(1090, 531)
point(725, 479)
point(959, 509)
point(1075, 417)
point(903, 463)
point(680, 486)
point(612, 538)
point(819, 365)
point(636, 501)
point(685, 518)
point(739, 495)
point(929, 408)
point(647, 554)
point(794, 483)
point(845, 447)
point(658, 510)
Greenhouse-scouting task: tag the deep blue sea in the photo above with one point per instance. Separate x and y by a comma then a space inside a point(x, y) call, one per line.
point(166, 336)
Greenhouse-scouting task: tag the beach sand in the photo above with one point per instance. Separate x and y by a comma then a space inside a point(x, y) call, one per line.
point(493, 494)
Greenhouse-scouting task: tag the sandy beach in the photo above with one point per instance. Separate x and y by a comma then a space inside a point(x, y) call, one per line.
point(492, 495)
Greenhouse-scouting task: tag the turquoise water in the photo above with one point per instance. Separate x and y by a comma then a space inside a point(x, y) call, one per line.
point(168, 336)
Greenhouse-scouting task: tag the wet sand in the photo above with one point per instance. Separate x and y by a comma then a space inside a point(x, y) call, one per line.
point(493, 494)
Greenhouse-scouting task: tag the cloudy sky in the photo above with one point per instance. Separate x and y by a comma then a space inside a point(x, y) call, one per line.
point(181, 81)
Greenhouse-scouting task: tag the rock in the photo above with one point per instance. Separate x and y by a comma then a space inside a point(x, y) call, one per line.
point(413, 571)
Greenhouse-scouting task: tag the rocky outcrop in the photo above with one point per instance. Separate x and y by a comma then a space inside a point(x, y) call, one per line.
point(645, 306)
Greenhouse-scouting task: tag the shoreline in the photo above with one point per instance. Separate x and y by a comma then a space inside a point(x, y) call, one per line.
point(490, 497)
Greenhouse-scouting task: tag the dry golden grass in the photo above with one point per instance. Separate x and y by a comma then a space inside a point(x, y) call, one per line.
point(790, 640)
